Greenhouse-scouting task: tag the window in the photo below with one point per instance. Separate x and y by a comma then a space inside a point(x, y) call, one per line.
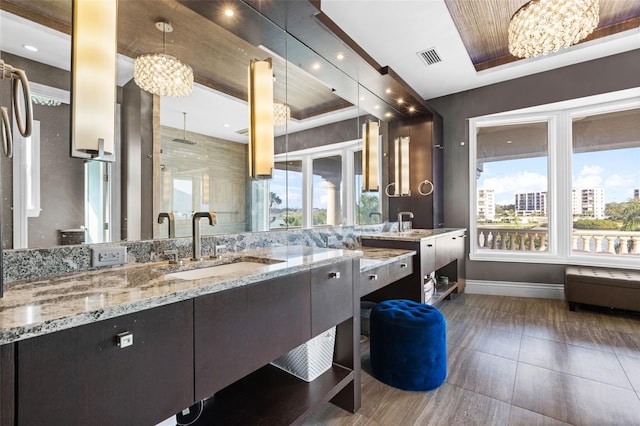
point(322, 186)
point(512, 185)
point(285, 195)
point(327, 190)
point(556, 183)
point(368, 206)
point(606, 160)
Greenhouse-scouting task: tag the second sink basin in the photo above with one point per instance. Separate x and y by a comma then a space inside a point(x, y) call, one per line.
point(219, 270)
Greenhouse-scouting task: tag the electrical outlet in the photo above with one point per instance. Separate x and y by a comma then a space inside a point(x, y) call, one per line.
point(108, 256)
point(332, 240)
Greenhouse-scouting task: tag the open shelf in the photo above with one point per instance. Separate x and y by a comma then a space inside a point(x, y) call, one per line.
point(442, 291)
point(271, 396)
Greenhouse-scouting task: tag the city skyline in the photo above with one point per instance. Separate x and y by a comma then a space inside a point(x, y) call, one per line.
point(615, 171)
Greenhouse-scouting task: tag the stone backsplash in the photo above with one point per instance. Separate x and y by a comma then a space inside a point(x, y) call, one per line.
point(41, 263)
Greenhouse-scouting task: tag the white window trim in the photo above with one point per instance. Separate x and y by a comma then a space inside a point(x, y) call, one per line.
point(560, 152)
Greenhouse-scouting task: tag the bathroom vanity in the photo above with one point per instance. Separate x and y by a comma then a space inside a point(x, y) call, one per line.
point(436, 250)
point(136, 344)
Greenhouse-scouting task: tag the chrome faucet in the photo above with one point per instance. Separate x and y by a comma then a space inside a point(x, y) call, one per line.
point(400, 215)
point(195, 227)
point(172, 223)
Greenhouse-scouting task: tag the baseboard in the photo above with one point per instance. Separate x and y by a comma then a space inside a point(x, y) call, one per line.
point(506, 288)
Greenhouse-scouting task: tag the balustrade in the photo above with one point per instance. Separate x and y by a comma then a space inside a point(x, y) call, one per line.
point(587, 241)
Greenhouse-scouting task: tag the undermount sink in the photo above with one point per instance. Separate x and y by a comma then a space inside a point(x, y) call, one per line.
point(236, 266)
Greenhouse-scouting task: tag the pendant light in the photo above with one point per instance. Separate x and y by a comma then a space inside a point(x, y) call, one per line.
point(163, 74)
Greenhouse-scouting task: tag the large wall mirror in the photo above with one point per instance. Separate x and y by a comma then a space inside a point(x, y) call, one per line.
point(183, 154)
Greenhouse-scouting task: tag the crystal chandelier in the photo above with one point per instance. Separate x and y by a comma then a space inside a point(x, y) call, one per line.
point(162, 74)
point(281, 114)
point(544, 26)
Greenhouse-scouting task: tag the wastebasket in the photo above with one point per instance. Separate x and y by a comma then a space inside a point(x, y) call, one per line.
point(365, 314)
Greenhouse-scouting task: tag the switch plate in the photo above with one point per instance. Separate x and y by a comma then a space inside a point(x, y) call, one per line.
point(108, 256)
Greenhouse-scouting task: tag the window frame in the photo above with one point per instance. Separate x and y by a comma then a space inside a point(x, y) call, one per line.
point(560, 178)
point(347, 151)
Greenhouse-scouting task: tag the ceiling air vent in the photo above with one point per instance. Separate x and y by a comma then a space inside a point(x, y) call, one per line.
point(430, 56)
point(243, 132)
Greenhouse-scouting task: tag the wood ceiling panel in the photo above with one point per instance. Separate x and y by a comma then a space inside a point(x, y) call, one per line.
point(483, 26)
point(219, 58)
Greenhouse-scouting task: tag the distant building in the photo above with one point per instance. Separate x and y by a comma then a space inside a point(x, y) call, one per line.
point(589, 202)
point(486, 204)
point(531, 203)
point(636, 194)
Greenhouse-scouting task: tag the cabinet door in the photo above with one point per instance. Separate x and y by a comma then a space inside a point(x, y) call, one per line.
point(331, 295)
point(238, 331)
point(81, 376)
point(428, 255)
point(450, 248)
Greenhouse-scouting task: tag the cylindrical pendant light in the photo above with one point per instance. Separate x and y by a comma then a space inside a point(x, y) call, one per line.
point(370, 156)
point(402, 166)
point(94, 76)
point(260, 119)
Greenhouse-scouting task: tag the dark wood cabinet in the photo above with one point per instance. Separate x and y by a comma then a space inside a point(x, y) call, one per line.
point(81, 376)
point(239, 330)
point(215, 347)
point(331, 296)
point(442, 254)
point(380, 277)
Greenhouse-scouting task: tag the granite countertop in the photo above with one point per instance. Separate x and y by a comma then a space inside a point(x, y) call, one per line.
point(373, 257)
point(35, 307)
point(411, 234)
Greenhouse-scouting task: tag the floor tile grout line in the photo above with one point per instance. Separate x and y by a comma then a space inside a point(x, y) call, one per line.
point(578, 377)
point(626, 374)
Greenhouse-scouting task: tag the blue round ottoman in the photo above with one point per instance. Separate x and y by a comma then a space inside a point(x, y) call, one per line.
point(408, 345)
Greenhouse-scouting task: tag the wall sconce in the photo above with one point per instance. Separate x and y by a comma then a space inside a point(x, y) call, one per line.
point(370, 156)
point(93, 118)
point(260, 119)
point(401, 168)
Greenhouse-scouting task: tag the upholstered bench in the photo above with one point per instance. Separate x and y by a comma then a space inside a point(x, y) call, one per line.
point(408, 345)
point(608, 287)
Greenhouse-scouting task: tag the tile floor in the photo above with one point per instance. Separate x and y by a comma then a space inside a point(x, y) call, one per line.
point(516, 361)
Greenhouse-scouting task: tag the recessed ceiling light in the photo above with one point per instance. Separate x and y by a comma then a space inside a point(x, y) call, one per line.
point(30, 48)
point(377, 106)
point(509, 141)
point(228, 12)
point(316, 66)
point(227, 125)
point(388, 91)
point(340, 56)
point(400, 101)
point(362, 98)
point(388, 114)
point(412, 109)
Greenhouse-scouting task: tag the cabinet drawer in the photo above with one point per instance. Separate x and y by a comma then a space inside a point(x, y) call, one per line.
point(238, 331)
point(331, 295)
point(428, 255)
point(81, 376)
point(400, 269)
point(374, 279)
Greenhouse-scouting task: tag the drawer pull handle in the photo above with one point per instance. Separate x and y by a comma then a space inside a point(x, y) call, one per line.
point(373, 276)
point(334, 275)
point(429, 245)
point(403, 265)
point(124, 339)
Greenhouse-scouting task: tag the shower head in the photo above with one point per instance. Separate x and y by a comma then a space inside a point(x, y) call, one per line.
point(184, 139)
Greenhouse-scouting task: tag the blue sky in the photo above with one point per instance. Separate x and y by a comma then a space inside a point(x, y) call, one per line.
point(617, 171)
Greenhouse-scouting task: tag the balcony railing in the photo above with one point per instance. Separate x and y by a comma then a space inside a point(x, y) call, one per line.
point(586, 241)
